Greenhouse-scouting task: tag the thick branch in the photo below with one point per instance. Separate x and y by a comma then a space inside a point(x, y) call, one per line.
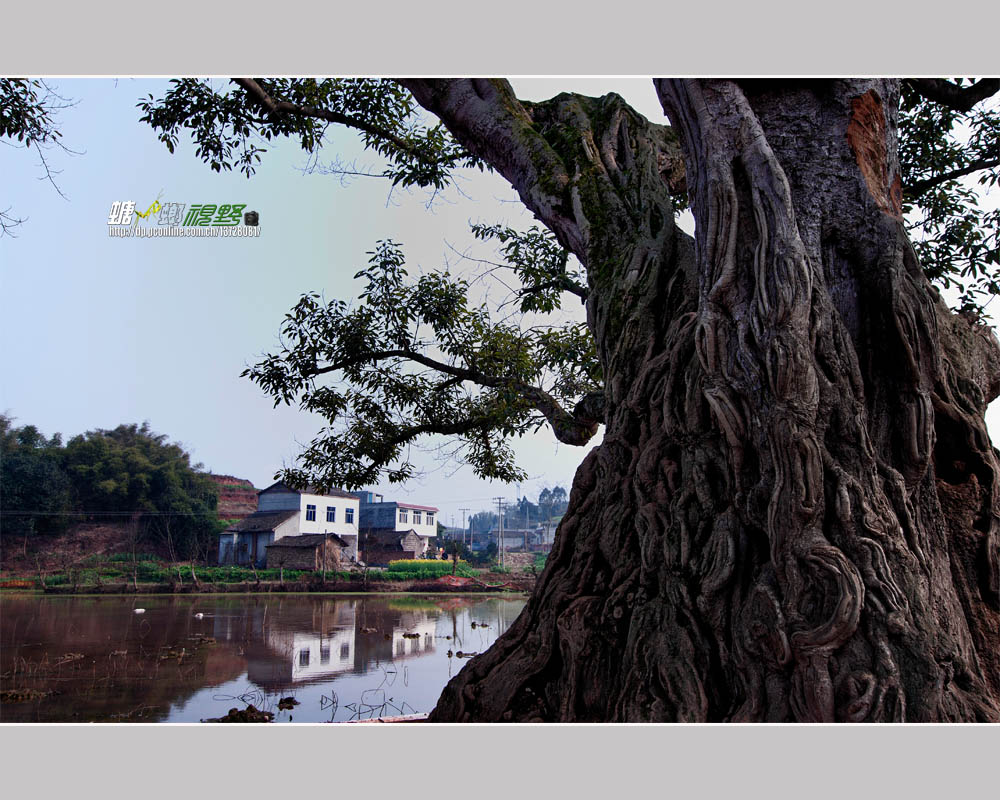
point(919, 187)
point(448, 429)
point(569, 428)
point(488, 119)
point(256, 91)
point(954, 96)
point(563, 284)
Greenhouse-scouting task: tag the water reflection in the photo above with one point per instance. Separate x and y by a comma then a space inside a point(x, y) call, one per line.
point(77, 659)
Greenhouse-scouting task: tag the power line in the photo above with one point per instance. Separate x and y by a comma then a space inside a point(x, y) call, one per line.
point(108, 513)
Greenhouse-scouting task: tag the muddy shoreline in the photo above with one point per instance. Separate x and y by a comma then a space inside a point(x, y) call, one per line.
point(518, 586)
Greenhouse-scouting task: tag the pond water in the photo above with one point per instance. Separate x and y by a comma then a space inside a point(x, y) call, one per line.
point(192, 657)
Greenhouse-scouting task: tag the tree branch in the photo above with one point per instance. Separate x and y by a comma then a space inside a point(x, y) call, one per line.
point(919, 187)
point(953, 96)
point(569, 428)
point(488, 119)
point(447, 429)
point(256, 91)
point(565, 284)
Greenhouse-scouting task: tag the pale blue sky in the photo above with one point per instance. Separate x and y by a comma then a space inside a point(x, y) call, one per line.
point(99, 331)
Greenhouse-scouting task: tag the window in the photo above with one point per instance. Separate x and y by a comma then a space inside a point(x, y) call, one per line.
point(310, 513)
point(345, 651)
point(416, 517)
point(303, 658)
point(430, 518)
point(324, 654)
point(403, 515)
point(349, 516)
point(331, 514)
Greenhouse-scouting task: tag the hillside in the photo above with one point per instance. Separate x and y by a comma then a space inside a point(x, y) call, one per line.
point(237, 499)
point(237, 496)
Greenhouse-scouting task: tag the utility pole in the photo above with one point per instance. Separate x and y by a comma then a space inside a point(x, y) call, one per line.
point(463, 510)
point(500, 510)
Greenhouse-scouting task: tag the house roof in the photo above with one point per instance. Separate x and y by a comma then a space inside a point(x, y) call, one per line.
point(387, 536)
point(397, 504)
point(417, 508)
point(261, 521)
point(308, 540)
point(281, 486)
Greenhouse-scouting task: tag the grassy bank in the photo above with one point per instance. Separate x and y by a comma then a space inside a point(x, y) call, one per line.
point(119, 574)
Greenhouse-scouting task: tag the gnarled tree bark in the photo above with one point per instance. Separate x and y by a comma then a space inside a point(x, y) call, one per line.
point(794, 511)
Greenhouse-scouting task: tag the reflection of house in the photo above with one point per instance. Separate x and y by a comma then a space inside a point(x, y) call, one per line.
point(386, 518)
point(420, 639)
point(283, 512)
point(304, 649)
point(286, 644)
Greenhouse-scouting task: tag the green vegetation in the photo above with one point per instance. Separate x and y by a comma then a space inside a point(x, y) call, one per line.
point(37, 493)
point(118, 568)
point(127, 475)
point(424, 569)
point(383, 406)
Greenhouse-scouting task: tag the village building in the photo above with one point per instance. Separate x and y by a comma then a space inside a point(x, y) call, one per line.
point(387, 526)
point(284, 512)
point(312, 551)
point(524, 540)
point(379, 546)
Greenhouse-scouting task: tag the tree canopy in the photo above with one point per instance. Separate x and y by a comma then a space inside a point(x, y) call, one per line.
point(794, 512)
point(411, 358)
point(128, 473)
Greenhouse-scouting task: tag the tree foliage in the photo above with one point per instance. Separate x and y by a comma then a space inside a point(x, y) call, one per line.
point(415, 358)
point(35, 493)
point(29, 111)
point(950, 156)
point(129, 473)
point(133, 472)
point(229, 126)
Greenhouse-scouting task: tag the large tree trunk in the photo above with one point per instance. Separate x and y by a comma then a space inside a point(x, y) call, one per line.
point(794, 512)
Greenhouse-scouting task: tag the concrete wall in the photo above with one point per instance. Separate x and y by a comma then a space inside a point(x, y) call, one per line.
point(226, 544)
point(519, 562)
point(350, 553)
point(390, 515)
point(340, 506)
point(278, 501)
point(304, 557)
point(290, 527)
point(289, 501)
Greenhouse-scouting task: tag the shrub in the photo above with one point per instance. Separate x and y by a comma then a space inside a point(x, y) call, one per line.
point(117, 557)
point(413, 569)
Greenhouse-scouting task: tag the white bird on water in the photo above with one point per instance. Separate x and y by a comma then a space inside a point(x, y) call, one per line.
point(140, 611)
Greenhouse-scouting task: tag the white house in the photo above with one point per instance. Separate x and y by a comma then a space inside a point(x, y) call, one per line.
point(283, 511)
